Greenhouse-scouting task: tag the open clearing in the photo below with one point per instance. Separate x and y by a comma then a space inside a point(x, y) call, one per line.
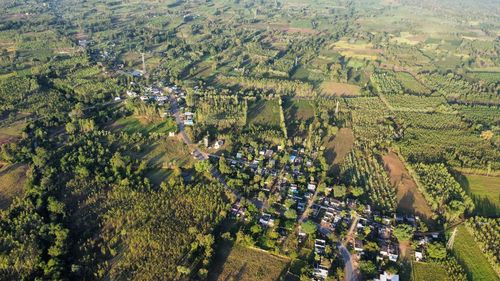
point(428, 271)
point(237, 262)
point(475, 263)
point(409, 198)
point(12, 132)
point(330, 88)
point(12, 179)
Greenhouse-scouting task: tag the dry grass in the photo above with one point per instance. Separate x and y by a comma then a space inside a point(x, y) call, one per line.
point(12, 179)
point(237, 262)
point(331, 88)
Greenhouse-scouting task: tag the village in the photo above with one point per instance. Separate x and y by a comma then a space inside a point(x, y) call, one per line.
point(284, 190)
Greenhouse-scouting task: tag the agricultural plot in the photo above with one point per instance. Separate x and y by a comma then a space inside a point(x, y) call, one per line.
point(409, 198)
point(12, 132)
point(298, 115)
point(237, 262)
point(358, 50)
point(458, 90)
point(337, 147)
point(330, 88)
point(485, 191)
point(427, 137)
point(411, 84)
point(470, 256)
point(485, 115)
point(264, 113)
point(12, 179)
point(369, 116)
point(221, 111)
point(361, 168)
point(136, 124)
point(429, 271)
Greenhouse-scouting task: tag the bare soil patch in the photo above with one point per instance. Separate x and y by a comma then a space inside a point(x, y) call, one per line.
point(410, 199)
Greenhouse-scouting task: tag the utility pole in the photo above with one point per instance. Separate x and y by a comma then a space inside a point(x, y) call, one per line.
point(143, 65)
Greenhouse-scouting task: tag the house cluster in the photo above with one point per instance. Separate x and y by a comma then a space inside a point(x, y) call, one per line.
point(322, 265)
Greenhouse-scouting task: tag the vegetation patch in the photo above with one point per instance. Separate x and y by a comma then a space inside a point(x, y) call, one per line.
point(264, 113)
point(137, 124)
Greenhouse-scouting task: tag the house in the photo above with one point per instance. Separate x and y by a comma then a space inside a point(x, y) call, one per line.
point(131, 94)
point(144, 98)
point(321, 271)
point(266, 220)
point(118, 99)
point(419, 255)
point(218, 144)
point(311, 187)
point(389, 250)
point(188, 122)
point(387, 277)
point(319, 246)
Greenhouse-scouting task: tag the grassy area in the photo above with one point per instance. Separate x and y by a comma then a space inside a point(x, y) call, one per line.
point(12, 180)
point(13, 131)
point(264, 112)
point(135, 124)
point(428, 271)
point(485, 192)
point(475, 263)
point(236, 262)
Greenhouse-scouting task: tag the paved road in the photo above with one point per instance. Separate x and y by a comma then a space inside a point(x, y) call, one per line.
point(350, 265)
point(349, 271)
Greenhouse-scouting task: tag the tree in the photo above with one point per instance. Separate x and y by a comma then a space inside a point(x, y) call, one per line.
point(291, 214)
point(357, 191)
point(436, 251)
point(403, 232)
point(368, 269)
point(309, 227)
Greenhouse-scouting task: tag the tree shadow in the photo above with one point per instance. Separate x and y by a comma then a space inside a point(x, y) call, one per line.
point(223, 250)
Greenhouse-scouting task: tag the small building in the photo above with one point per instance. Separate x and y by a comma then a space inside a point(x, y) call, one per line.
point(358, 245)
point(266, 220)
point(387, 277)
point(311, 187)
point(218, 144)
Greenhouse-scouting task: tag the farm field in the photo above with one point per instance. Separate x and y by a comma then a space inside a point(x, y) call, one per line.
point(428, 271)
point(338, 147)
point(237, 262)
point(409, 198)
point(330, 88)
point(485, 192)
point(468, 254)
point(12, 179)
point(265, 113)
point(134, 124)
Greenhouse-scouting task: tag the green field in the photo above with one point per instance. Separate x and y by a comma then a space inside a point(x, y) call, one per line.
point(134, 124)
point(237, 262)
point(428, 271)
point(471, 258)
point(411, 83)
point(485, 192)
point(264, 112)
